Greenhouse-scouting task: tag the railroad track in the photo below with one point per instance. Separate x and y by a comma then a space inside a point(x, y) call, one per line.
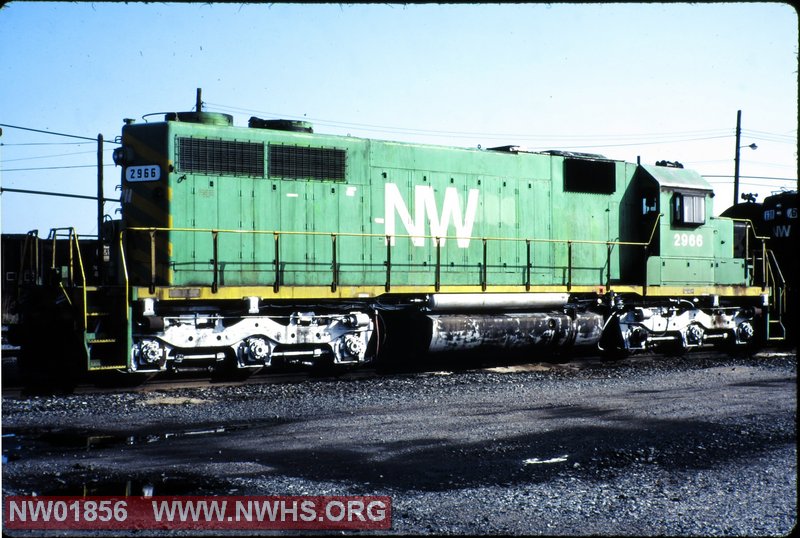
point(182, 381)
point(194, 380)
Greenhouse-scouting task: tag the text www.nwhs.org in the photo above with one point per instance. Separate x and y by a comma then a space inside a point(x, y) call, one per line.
point(209, 512)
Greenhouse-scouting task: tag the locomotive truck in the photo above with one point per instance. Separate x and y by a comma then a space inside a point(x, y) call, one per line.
point(240, 248)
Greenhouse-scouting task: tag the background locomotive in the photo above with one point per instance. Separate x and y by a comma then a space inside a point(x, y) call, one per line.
point(775, 219)
point(242, 247)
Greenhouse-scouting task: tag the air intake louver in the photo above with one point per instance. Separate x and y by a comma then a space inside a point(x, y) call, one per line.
point(300, 162)
point(220, 157)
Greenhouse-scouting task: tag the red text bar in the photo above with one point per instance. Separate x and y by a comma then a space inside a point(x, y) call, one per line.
point(199, 512)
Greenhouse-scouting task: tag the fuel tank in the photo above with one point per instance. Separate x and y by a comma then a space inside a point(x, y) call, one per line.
point(454, 332)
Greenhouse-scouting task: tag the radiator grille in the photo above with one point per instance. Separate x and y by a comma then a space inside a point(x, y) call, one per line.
point(300, 162)
point(590, 176)
point(221, 157)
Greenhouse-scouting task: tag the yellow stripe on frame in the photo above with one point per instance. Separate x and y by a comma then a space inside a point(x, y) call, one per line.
point(204, 293)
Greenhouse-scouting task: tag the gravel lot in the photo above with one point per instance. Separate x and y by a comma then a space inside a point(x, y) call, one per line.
point(676, 446)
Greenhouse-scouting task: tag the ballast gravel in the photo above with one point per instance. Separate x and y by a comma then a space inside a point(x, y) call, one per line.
point(670, 446)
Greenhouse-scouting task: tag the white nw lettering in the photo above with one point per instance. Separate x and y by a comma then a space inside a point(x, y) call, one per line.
point(782, 231)
point(425, 206)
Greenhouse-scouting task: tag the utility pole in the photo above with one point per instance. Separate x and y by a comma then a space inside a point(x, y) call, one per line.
point(736, 159)
point(100, 208)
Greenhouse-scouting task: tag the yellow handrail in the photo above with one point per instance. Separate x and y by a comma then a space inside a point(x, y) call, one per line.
point(73, 242)
point(74, 236)
point(125, 272)
point(437, 241)
point(751, 226)
point(653, 231)
point(396, 236)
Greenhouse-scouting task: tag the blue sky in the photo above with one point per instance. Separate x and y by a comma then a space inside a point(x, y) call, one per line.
point(656, 81)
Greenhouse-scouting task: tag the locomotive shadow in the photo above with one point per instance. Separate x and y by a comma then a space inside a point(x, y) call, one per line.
point(432, 464)
point(425, 463)
point(366, 458)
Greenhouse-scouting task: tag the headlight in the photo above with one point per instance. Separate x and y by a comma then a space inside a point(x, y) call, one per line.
point(123, 156)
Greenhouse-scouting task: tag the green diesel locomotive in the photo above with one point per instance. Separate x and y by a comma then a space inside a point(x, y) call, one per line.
point(241, 247)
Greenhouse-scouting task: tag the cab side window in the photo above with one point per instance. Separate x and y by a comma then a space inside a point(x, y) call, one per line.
point(688, 209)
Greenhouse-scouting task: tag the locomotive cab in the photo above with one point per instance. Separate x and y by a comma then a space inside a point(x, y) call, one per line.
point(691, 279)
point(689, 247)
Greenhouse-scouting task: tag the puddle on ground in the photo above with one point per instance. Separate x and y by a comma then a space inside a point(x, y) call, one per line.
point(85, 482)
point(20, 444)
point(163, 485)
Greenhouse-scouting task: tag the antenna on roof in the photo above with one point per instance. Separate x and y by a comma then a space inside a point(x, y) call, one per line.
point(199, 104)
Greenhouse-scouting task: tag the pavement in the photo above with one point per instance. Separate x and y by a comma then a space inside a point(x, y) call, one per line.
point(673, 446)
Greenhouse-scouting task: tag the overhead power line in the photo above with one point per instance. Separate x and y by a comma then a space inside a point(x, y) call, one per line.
point(61, 194)
point(46, 132)
point(772, 187)
point(634, 139)
point(430, 132)
point(764, 135)
point(45, 143)
point(54, 167)
point(755, 177)
point(640, 143)
point(52, 156)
